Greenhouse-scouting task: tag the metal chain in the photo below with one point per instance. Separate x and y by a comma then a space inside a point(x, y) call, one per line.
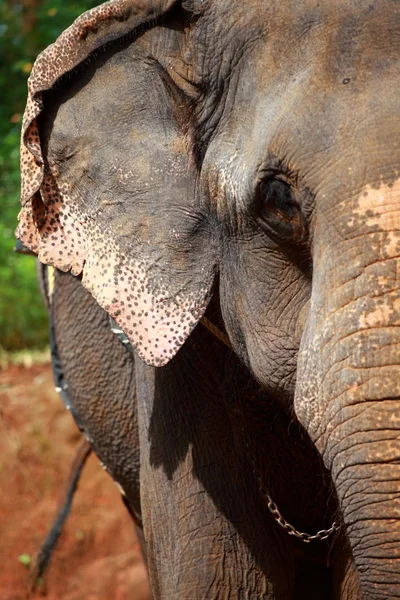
point(323, 534)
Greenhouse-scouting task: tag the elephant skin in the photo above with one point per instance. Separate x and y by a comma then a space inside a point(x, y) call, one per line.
point(239, 161)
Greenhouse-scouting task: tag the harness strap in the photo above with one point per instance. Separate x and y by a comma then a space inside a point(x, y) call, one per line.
point(51, 280)
point(217, 332)
point(60, 383)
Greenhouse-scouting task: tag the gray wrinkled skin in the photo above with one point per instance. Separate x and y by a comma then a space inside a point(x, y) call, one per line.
point(100, 375)
point(244, 158)
point(193, 404)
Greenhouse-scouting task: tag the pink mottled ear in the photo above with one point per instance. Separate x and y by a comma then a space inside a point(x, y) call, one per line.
point(153, 275)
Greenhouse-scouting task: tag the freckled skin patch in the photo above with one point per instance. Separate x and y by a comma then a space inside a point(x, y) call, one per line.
point(156, 323)
point(380, 208)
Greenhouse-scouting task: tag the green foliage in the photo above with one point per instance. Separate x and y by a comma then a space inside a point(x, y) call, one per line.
point(25, 559)
point(26, 27)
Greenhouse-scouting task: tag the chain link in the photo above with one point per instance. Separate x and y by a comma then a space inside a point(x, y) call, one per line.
point(323, 534)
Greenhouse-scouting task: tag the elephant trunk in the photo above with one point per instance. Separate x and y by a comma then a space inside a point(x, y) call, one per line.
point(348, 391)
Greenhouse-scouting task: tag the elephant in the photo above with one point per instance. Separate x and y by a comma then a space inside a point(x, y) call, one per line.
point(237, 165)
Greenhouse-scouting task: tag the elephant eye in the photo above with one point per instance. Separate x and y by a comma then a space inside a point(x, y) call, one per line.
point(277, 200)
point(279, 209)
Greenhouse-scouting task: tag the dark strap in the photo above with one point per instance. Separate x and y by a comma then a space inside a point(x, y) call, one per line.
point(47, 549)
point(60, 382)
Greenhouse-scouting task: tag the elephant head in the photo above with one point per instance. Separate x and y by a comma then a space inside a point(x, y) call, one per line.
point(248, 151)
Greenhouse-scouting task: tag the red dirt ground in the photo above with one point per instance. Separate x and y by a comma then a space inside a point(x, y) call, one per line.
point(98, 556)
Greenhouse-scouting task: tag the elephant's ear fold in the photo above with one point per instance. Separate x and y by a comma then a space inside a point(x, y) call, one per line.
point(92, 30)
point(109, 176)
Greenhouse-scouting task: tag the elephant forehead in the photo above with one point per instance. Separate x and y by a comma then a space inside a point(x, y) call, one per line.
point(283, 67)
point(260, 40)
point(256, 15)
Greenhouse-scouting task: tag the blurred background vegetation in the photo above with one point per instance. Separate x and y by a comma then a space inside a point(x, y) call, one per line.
point(26, 28)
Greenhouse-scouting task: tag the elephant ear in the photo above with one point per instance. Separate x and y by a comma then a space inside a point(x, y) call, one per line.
point(108, 176)
point(93, 29)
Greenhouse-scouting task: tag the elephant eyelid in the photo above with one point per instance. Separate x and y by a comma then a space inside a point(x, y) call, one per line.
point(278, 168)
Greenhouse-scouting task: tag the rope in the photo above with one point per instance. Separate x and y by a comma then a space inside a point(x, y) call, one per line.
point(217, 332)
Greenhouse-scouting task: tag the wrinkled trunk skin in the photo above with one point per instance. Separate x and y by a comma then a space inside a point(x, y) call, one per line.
point(348, 386)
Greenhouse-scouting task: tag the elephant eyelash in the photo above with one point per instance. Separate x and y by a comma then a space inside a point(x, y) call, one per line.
point(278, 168)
